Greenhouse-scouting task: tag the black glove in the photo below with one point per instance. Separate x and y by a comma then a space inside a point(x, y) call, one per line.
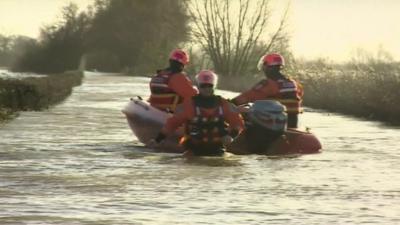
point(233, 133)
point(160, 136)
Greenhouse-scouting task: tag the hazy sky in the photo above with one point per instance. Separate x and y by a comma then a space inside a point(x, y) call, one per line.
point(319, 28)
point(25, 17)
point(335, 28)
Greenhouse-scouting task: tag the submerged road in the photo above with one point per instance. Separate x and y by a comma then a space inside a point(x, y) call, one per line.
point(78, 163)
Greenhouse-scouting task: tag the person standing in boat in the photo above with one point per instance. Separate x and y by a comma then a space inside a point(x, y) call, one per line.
point(277, 87)
point(170, 86)
point(210, 121)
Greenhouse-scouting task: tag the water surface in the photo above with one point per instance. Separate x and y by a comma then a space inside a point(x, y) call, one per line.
point(78, 163)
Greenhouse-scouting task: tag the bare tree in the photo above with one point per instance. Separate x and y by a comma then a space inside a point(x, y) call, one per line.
point(229, 31)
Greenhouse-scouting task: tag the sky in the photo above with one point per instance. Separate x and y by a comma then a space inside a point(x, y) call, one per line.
point(332, 29)
point(336, 28)
point(25, 17)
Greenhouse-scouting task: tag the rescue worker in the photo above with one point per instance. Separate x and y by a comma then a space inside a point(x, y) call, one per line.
point(170, 86)
point(210, 121)
point(277, 87)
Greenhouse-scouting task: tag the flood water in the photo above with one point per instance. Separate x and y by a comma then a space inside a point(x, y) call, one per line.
point(78, 163)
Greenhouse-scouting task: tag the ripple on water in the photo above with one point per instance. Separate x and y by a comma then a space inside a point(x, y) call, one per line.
point(78, 163)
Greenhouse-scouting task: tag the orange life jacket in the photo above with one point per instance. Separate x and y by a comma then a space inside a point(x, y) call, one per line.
point(162, 96)
point(290, 94)
point(207, 128)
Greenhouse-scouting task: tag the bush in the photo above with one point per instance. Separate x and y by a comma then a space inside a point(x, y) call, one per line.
point(60, 47)
point(362, 88)
point(35, 93)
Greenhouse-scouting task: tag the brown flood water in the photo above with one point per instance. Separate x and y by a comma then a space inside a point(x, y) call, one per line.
point(78, 163)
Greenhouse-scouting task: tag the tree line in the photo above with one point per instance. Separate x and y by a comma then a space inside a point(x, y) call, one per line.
point(112, 35)
point(136, 36)
point(12, 48)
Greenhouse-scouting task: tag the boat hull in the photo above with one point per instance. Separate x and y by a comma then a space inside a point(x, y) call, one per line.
point(146, 121)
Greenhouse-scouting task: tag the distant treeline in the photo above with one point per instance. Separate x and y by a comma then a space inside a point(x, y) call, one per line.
point(136, 36)
point(35, 93)
point(113, 35)
point(13, 48)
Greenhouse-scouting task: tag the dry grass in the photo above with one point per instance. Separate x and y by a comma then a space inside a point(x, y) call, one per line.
point(237, 84)
point(369, 89)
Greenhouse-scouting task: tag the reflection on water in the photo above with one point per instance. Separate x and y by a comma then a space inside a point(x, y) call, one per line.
point(78, 163)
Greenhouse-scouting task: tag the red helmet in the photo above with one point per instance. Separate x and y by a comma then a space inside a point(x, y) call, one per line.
point(207, 77)
point(272, 59)
point(180, 56)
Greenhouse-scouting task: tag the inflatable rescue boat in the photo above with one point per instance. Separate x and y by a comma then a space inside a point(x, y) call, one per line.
point(146, 121)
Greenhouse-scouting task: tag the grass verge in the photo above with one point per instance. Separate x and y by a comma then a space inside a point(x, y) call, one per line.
point(35, 93)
